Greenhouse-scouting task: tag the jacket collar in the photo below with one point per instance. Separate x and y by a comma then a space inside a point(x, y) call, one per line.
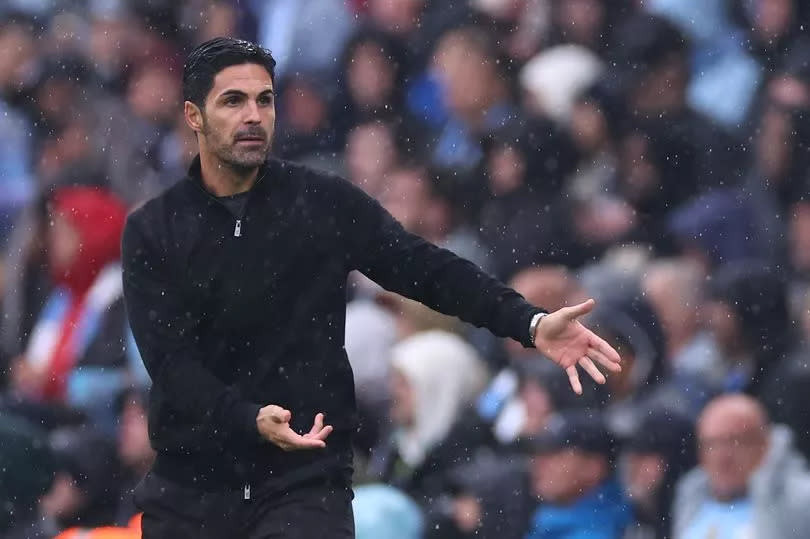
point(194, 175)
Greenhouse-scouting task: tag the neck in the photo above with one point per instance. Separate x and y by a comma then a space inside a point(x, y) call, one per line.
point(222, 179)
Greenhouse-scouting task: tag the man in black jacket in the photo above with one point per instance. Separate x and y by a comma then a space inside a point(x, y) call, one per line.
point(235, 285)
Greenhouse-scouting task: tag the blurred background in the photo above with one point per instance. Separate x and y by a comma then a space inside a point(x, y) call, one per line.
point(652, 154)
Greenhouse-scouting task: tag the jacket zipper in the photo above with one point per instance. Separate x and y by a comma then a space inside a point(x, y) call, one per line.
point(247, 492)
point(237, 230)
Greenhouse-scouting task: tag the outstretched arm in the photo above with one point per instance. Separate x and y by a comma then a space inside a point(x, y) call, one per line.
point(409, 265)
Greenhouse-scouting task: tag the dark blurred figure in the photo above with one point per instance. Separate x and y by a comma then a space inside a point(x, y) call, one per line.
point(572, 475)
point(631, 326)
point(748, 314)
point(372, 81)
point(524, 220)
point(134, 452)
point(85, 489)
point(652, 70)
point(656, 455)
point(590, 23)
point(306, 133)
point(775, 27)
point(27, 469)
point(751, 482)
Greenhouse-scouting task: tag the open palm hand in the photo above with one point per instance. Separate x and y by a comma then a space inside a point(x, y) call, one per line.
point(566, 342)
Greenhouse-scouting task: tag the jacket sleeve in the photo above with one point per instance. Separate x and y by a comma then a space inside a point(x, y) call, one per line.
point(413, 267)
point(164, 329)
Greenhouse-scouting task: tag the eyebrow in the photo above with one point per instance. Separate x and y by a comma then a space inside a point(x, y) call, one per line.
point(240, 93)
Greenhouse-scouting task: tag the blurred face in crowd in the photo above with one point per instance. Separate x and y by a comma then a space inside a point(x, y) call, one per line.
point(154, 94)
point(306, 111)
point(396, 16)
point(725, 325)
point(674, 289)
point(772, 18)
point(506, 168)
point(370, 154)
point(18, 51)
point(564, 475)
point(370, 76)
point(467, 73)
point(538, 407)
point(588, 127)
point(63, 243)
point(732, 440)
point(407, 199)
point(581, 20)
point(237, 122)
point(643, 474)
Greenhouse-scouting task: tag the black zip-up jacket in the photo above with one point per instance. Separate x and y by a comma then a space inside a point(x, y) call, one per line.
point(234, 312)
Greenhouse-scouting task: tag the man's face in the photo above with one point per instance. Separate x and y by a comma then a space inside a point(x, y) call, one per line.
point(563, 476)
point(239, 117)
point(731, 449)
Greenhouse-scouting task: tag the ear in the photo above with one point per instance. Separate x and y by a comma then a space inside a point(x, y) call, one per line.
point(194, 116)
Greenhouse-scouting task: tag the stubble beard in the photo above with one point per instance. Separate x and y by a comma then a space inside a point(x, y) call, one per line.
point(235, 157)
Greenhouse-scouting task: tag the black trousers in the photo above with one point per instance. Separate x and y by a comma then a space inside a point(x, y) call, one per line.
point(320, 508)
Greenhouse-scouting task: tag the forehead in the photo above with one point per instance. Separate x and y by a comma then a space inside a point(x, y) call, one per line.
point(249, 78)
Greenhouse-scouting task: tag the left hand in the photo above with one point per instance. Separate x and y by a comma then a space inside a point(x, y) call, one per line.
point(566, 342)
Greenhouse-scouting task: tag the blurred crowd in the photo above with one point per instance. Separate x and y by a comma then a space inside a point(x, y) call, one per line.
point(652, 154)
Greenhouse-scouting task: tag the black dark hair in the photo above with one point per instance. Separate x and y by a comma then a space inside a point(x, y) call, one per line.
point(211, 57)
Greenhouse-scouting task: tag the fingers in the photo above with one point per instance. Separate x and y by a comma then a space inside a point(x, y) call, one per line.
point(612, 357)
point(293, 441)
point(588, 366)
point(575, 311)
point(317, 425)
point(603, 360)
point(318, 430)
point(573, 379)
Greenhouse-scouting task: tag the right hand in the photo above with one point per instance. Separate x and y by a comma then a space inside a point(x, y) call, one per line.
point(273, 423)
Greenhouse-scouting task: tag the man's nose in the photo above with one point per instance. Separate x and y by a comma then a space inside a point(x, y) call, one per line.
point(252, 115)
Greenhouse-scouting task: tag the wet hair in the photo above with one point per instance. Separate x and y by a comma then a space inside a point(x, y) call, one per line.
point(211, 57)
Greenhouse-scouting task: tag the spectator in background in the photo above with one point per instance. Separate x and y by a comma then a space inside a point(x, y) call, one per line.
point(572, 475)
point(16, 152)
point(655, 456)
point(85, 489)
point(372, 81)
point(435, 376)
point(476, 95)
point(750, 482)
point(423, 203)
point(652, 71)
point(306, 133)
point(775, 28)
point(77, 352)
point(371, 153)
point(676, 290)
point(134, 452)
point(524, 220)
point(286, 27)
point(748, 314)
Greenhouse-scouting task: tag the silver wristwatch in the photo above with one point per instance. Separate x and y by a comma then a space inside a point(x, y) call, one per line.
point(533, 325)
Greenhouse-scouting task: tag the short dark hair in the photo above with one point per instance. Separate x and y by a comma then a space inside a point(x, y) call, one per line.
point(211, 57)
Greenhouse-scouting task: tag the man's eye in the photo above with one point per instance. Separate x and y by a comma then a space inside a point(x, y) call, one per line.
point(265, 100)
point(231, 101)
